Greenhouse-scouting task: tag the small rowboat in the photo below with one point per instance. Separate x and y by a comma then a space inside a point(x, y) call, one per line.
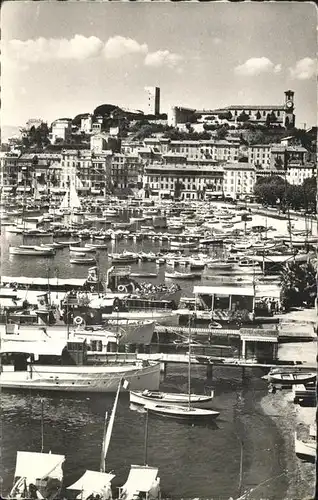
point(97, 246)
point(290, 378)
point(82, 249)
point(167, 398)
point(183, 276)
point(83, 260)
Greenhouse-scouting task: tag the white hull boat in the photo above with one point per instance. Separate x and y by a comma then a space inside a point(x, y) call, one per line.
point(164, 317)
point(183, 276)
point(83, 260)
point(82, 378)
point(181, 412)
point(32, 251)
point(85, 249)
point(306, 450)
point(223, 266)
point(168, 398)
point(290, 378)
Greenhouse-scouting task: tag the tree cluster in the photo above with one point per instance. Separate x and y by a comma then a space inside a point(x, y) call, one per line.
point(273, 190)
point(298, 285)
point(36, 137)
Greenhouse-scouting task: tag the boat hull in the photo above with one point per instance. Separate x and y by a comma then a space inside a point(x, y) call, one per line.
point(163, 318)
point(103, 379)
point(291, 379)
point(182, 413)
point(168, 399)
point(305, 451)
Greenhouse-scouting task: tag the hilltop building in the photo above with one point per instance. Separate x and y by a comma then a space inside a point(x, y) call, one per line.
point(282, 114)
point(153, 100)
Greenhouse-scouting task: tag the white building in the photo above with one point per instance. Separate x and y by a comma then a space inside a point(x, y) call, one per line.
point(195, 181)
point(99, 142)
point(86, 124)
point(61, 129)
point(153, 100)
point(239, 180)
point(260, 155)
point(296, 173)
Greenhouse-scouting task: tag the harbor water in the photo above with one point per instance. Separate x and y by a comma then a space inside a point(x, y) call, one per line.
point(193, 461)
point(241, 451)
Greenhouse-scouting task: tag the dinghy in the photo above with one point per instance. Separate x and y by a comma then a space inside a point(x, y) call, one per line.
point(168, 398)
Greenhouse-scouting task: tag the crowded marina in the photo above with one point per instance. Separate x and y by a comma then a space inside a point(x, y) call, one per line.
point(206, 294)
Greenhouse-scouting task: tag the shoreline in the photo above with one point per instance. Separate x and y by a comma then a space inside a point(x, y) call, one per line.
point(288, 417)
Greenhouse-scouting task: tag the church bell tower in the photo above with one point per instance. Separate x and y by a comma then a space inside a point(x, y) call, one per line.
point(289, 116)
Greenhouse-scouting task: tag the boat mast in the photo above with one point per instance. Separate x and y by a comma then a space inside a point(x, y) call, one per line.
point(189, 365)
point(108, 429)
point(42, 426)
point(146, 438)
point(102, 457)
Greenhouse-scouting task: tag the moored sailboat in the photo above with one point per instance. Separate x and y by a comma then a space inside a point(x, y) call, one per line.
point(38, 475)
point(99, 482)
point(177, 411)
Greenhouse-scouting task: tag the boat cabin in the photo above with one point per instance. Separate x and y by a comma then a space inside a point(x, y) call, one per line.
point(21, 355)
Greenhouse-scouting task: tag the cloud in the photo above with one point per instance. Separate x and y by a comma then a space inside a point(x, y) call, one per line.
point(47, 49)
point(304, 69)
point(163, 58)
point(21, 53)
point(257, 66)
point(119, 46)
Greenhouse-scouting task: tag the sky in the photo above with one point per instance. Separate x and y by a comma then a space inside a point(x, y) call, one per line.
point(60, 59)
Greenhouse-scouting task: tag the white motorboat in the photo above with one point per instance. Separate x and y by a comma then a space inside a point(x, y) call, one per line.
point(28, 369)
point(124, 258)
point(197, 264)
point(168, 398)
point(32, 251)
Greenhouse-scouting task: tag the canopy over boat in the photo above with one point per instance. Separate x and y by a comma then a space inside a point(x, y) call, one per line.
point(52, 348)
point(141, 479)
point(93, 482)
point(33, 466)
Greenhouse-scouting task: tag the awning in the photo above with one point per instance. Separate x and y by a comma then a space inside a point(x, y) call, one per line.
point(21, 189)
point(92, 481)
point(50, 348)
point(34, 466)
point(224, 290)
point(7, 189)
point(141, 479)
